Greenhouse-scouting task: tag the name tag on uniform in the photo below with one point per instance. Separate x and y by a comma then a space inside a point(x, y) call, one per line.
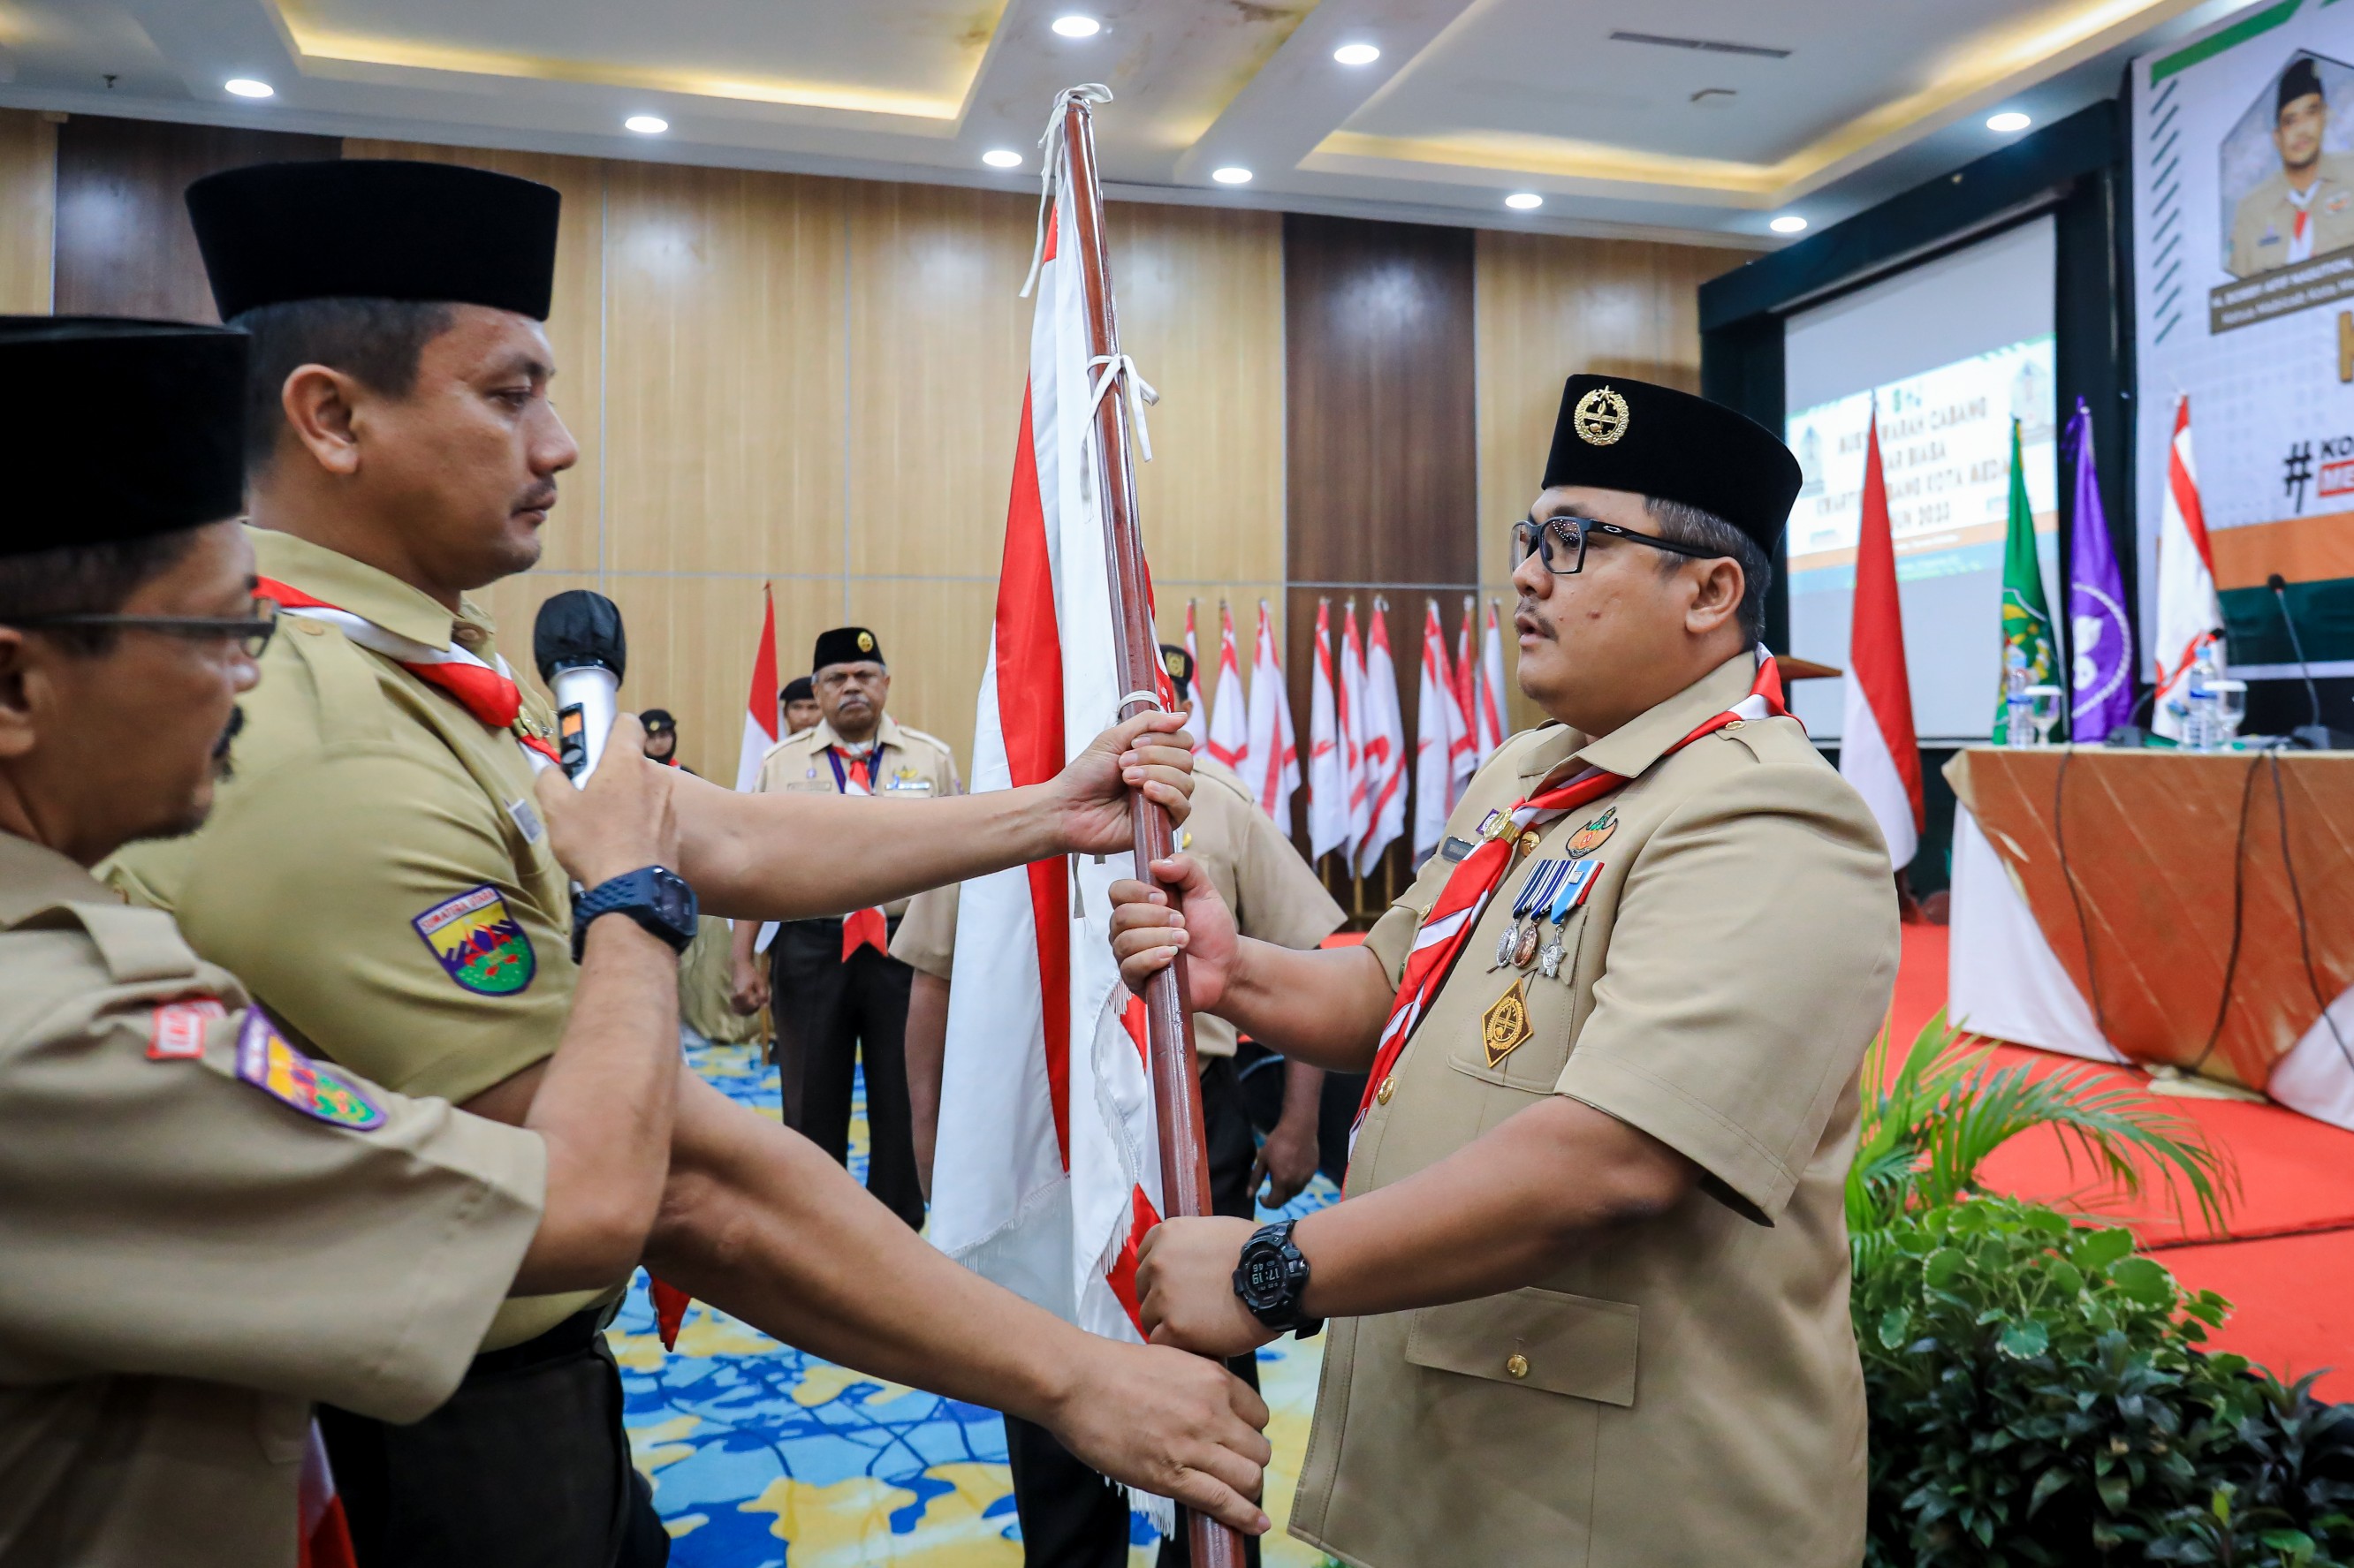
point(527, 819)
point(1454, 849)
point(178, 1029)
point(905, 781)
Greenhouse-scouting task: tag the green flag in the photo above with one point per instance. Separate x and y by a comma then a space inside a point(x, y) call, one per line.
point(2027, 641)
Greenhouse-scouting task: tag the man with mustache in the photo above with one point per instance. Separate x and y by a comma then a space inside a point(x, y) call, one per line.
point(379, 875)
point(1589, 1273)
point(205, 1230)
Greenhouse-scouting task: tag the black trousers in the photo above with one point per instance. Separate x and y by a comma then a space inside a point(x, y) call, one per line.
point(828, 1015)
point(1071, 1517)
point(525, 1467)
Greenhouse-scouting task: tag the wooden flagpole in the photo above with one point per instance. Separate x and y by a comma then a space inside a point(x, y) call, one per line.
point(1168, 1019)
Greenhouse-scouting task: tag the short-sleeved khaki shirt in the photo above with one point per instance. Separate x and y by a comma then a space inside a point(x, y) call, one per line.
point(192, 1258)
point(376, 871)
point(907, 765)
point(1687, 1390)
point(1275, 896)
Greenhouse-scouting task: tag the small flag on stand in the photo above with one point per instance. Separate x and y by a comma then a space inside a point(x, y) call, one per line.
point(1274, 760)
point(1878, 753)
point(1385, 747)
point(2190, 616)
point(1436, 718)
point(2102, 677)
point(1487, 698)
point(1353, 732)
point(2028, 645)
point(1229, 731)
point(1463, 751)
point(1327, 787)
point(763, 722)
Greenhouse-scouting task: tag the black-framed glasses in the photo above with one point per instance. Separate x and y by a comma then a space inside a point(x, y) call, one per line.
point(251, 634)
point(1561, 541)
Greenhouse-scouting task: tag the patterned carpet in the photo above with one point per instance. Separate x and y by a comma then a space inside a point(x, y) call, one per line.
point(764, 1457)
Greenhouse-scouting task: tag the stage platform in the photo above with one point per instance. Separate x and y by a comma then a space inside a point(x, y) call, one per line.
point(2286, 1259)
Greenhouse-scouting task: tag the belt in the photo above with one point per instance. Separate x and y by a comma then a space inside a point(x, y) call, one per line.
point(568, 1338)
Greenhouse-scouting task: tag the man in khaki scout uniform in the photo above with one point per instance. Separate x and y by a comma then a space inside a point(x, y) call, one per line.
point(2307, 208)
point(1070, 1519)
point(798, 702)
point(379, 874)
point(837, 995)
point(1590, 1274)
point(205, 1230)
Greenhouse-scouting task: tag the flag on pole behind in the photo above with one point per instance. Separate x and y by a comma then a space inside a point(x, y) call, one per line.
point(1489, 699)
point(1385, 745)
point(2028, 645)
point(1878, 752)
point(762, 720)
point(1436, 717)
point(1327, 786)
point(1273, 766)
point(2190, 616)
point(1463, 752)
point(2101, 679)
point(1353, 732)
point(1229, 721)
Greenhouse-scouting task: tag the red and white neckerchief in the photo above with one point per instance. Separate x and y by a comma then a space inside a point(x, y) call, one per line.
point(853, 775)
point(486, 691)
point(2300, 233)
point(1477, 875)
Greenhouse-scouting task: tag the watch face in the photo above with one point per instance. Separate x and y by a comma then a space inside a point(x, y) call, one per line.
point(673, 900)
point(1263, 1276)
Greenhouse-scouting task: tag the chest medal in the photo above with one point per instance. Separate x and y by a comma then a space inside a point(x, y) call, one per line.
point(1504, 1027)
point(1569, 892)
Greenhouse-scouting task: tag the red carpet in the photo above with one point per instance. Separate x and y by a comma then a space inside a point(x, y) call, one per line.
point(2287, 1262)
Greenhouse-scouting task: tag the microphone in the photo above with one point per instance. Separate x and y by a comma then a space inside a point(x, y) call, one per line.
point(581, 652)
point(2313, 736)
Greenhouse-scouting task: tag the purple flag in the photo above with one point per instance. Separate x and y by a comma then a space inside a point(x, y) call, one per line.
point(2103, 677)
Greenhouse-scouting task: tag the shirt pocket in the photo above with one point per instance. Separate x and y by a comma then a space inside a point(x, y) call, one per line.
point(1579, 1347)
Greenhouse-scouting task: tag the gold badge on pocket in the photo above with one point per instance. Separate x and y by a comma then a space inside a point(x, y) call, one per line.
point(1504, 1027)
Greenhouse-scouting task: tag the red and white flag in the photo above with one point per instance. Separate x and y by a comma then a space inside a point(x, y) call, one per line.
point(323, 1535)
point(1047, 1170)
point(1488, 697)
point(1463, 757)
point(763, 723)
point(1436, 717)
point(1327, 775)
point(2190, 616)
point(1229, 731)
point(1385, 747)
point(1878, 752)
point(1352, 716)
point(1272, 764)
point(1195, 726)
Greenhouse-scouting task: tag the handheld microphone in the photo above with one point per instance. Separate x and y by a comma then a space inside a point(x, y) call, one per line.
point(581, 652)
point(2313, 735)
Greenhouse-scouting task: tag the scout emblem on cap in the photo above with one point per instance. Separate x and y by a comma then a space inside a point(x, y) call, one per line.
point(866, 643)
point(481, 946)
point(1594, 834)
point(1504, 1027)
point(1601, 417)
point(266, 1060)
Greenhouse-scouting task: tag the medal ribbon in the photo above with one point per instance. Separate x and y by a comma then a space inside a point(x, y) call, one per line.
point(1448, 927)
point(486, 691)
point(860, 927)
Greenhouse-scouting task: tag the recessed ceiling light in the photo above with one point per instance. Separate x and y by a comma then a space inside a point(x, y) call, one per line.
point(1232, 174)
point(1077, 27)
point(246, 87)
point(1002, 158)
point(646, 125)
point(1788, 223)
point(1524, 201)
point(1356, 54)
point(2008, 121)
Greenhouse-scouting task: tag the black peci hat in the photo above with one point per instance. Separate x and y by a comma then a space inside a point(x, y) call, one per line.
point(1617, 434)
point(800, 689)
point(1180, 666)
point(657, 720)
point(845, 645)
point(116, 430)
point(2301, 79)
point(381, 229)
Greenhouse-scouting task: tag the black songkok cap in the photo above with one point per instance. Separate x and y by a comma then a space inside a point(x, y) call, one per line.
point(657, 720)
point(800, 689)
point(376, 230)
point(845, 645)
point(115, 430)
point(2300, 80)
point(1617, 434)
point(1179, 665)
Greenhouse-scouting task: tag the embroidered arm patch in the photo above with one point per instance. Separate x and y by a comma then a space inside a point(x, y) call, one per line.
point(268, 1061)
point(479, 944)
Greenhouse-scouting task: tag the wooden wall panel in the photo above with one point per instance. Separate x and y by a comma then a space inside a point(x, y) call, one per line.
point(934, 631)
point(124, 244)
point(1548, 307)
point(723, 371)
point(28, 210)
point(575, 324)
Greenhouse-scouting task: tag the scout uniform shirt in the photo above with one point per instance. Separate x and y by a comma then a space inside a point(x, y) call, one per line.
point(1275, 894)
point(906, 765)
point(2265, 232)
point(1686, 1389)
point(202, 1233)
point(374, 871)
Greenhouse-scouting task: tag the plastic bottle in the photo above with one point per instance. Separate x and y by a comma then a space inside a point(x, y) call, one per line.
point(2198, 725)
point(2018, 725)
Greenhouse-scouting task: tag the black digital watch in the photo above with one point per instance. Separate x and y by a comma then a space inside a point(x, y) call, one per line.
point(1270, 1277)
point(653, 895)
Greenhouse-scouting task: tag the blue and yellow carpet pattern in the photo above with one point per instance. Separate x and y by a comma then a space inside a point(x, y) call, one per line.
point(764, 1457)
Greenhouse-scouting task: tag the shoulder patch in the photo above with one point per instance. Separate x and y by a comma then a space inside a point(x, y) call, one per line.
point(176, 1033)
point(479, 944)
point(269, 1063)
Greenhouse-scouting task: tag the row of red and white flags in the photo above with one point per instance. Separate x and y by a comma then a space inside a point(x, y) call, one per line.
point(1358, 774)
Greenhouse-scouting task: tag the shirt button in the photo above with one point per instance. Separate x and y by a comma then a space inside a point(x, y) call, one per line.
point(310, 628)
point(1389, 1086)
point(1517, 1364)
point(1734, 724)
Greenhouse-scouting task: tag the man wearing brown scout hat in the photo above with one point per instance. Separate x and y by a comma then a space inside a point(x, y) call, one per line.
point(1589, 1275)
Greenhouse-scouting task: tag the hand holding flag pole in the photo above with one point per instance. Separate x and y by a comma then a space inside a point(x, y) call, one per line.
point(1168, 1027)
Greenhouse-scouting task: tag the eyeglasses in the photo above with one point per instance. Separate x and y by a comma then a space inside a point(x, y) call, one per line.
point(251, 634)
point(1561, 540)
